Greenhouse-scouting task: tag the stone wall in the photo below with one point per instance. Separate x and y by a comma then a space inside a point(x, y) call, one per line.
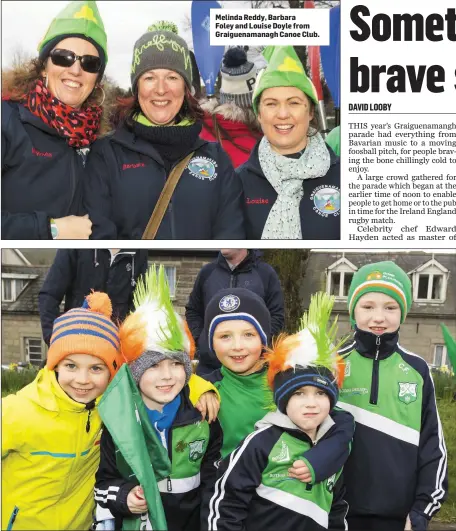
point(15, 328)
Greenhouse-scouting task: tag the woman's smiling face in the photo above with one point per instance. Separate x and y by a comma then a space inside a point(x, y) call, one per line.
point(161, 95)
point(71, 85)
point(284, 114)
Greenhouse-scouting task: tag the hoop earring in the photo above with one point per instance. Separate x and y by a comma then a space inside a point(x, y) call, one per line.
point(104, 95)
point(46, 81)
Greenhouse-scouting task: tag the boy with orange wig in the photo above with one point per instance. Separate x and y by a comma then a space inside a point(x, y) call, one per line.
point(254, 490)
point(158, 453)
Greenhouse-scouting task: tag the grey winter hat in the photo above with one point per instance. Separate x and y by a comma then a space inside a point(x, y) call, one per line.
point(150, 358)
point(238, 78)
point(161, 47)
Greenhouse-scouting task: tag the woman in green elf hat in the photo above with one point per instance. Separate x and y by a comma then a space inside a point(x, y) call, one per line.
point(157, 142)
point(49, 121)
point(292, 179)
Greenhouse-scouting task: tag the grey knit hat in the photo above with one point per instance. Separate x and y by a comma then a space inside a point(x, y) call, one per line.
point(161, 47)
point(150, 358)
point(238, 78)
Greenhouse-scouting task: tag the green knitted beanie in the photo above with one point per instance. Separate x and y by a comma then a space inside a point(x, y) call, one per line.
point(284, 70)
point(161, 47)
point(79, 19)
point(381, 277)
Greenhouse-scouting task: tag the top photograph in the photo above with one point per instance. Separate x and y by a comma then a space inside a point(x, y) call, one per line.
point(124, 121)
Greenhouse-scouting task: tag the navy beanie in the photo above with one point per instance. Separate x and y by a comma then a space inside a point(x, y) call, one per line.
point(289, 381)
point(237, 304)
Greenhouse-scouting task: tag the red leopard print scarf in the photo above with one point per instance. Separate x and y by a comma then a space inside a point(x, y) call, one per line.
point(79, 126)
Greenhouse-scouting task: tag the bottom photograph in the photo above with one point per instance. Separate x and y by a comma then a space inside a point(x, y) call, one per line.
point(231, 389)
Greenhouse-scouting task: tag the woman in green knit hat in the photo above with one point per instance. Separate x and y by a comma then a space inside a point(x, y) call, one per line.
point(397, 469)
point(158, 130)
point(50, 119)
point(292, 180)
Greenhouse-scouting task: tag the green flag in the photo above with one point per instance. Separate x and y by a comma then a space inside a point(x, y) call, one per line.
point(450, 343)
point(125, 417)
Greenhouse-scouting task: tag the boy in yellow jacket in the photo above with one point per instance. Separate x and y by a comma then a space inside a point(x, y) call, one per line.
point(51, 428)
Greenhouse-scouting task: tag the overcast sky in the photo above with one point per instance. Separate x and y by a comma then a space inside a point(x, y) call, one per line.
point(25, 23)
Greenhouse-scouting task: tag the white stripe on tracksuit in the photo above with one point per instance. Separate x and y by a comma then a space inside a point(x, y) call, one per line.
point(105, 495)
point(439, 492)
point(219, 491)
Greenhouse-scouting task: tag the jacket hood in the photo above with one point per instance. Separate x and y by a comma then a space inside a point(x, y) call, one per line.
point(253, 164)
point(276, 418)
point(47, 393)
point(230, 115)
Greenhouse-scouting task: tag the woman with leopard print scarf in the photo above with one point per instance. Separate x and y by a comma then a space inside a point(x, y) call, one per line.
point(49, 122)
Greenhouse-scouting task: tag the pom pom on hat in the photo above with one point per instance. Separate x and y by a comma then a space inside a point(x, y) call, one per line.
point(164, 25)
point(87, 330)
point(234, 57)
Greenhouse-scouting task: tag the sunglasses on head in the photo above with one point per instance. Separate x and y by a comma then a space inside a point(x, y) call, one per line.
point(67, 58)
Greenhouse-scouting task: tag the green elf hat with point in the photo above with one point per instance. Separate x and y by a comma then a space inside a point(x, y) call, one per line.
point(381, 277)
point(81, 19)
point(284, 70)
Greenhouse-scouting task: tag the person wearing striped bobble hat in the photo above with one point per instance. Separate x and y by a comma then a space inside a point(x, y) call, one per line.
point(396, 475)
point(51, 428)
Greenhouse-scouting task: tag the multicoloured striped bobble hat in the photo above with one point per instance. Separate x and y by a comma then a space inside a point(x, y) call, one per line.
point(87, 330)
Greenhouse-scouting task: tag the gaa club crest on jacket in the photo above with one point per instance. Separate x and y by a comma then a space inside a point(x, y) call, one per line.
point(203, 168)
point(229, 303)
point(326, 200)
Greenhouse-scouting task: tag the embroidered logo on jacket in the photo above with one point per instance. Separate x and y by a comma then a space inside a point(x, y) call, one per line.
point(284, 454)
point(256, 201)
point(229, 303)
point(203, 168)
point(331, 482)
point(196, 449)
point(326, 200)
point(407, 392)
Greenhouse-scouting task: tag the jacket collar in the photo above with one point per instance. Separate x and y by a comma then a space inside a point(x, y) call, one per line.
point(29, 118)
point(367, 343)
point(276, 418)
point(253, 163)
point(245, 265)
point(125, 137)
point(47, 393)
point(187, 413)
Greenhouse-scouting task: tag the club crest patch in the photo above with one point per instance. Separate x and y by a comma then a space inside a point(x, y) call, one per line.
point(330, 483)
point(229, 303)
point(326, 200)
point(407, 392)
point(196, 449)
point(347, 368)
point(203, 168)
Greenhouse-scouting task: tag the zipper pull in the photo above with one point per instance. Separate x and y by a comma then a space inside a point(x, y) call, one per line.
point(377, 342)
point(169, 486)
point(88, 422)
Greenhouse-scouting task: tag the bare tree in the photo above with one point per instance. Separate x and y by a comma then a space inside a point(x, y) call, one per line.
point(19, 57)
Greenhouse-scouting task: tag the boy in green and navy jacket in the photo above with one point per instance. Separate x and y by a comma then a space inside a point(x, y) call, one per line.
point(398, 465)
point(158, 454)
point(254, 490)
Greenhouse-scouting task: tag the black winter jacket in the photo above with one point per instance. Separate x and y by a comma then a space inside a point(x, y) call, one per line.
point(41, 175)
point(317, 223)
point(253, 491)
point(126, 176)
point(75, 272)
point(252, 274)
point(184, 508)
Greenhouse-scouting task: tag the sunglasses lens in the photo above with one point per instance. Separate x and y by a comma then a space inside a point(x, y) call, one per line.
point(91, 63)
point(62, 57)
point(67, 58)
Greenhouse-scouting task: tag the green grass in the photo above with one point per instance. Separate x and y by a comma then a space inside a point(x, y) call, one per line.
point(447, 412)
point(13, 381)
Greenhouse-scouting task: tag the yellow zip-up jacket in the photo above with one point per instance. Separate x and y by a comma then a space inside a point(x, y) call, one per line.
point(50, 454)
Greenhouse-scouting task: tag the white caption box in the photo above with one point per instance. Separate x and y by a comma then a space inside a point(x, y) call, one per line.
point(260, 27)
